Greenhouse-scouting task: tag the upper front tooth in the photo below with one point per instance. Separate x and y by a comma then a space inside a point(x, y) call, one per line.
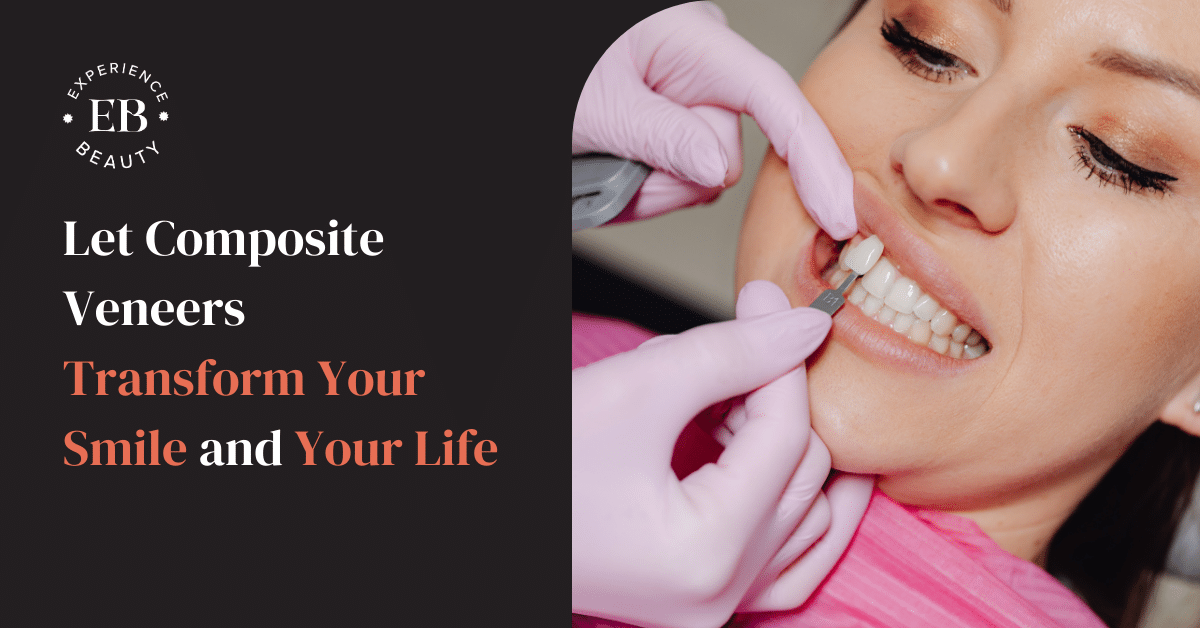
point(903, 295)
point(879, 281)
point(865, 255)
point(926, 307)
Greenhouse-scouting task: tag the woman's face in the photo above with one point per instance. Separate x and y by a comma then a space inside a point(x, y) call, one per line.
point(1036, 171)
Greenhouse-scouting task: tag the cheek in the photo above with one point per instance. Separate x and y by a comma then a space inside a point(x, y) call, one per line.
point(1109, 313)
point(864, 95)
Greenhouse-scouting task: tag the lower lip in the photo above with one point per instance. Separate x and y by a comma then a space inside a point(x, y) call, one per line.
point(865, 336)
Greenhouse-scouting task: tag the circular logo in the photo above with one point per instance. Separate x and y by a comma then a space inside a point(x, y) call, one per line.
point(116, 107)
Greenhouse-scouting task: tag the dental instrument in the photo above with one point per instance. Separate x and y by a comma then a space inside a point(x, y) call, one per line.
point(833, 299)
point(860, 261)
point(601, 186)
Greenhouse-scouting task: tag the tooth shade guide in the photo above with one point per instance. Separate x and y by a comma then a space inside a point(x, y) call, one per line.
point(865, 255)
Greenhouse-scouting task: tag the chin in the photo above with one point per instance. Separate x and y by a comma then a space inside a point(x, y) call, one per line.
point(857, 438)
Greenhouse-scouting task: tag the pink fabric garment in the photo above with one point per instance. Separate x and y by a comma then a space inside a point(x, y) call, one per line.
point(906, 566)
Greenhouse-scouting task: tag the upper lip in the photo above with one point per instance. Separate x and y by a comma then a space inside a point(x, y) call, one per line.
point(915, 258)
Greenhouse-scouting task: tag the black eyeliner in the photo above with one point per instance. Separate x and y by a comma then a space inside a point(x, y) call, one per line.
point(1126, 173)
point(920, 57)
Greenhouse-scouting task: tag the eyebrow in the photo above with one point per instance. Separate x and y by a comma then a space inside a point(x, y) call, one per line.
point(1152, 69)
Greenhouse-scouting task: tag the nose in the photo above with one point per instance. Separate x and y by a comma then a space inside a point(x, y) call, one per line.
point(959, 164)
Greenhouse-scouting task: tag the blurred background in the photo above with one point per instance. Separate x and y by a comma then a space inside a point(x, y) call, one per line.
point(675, 272)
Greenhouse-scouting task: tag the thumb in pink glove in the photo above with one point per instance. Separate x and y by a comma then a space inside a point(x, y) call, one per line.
point(668, 93)
point(833, 514)
point(652, 550)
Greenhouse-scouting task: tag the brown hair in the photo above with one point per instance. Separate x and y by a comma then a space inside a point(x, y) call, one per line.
point(1114, 546)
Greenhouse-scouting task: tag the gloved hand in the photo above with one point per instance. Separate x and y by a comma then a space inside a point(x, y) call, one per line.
point(668, 93)
point(652, 550)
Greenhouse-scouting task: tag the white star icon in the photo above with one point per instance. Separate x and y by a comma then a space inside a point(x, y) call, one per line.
point(163, 116)
point(67, 118)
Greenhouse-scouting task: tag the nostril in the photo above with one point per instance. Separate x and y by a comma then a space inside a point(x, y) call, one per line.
point(958, 213)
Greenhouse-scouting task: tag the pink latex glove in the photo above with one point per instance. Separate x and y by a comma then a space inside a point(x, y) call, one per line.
point(668, 93)
point(652, 550)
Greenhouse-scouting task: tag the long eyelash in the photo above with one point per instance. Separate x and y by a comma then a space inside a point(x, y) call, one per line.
point(920, 58)
point(1113, 169)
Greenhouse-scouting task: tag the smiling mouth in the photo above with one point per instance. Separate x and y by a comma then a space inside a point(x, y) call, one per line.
point(900, 304)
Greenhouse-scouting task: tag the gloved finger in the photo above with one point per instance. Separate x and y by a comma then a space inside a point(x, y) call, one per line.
point(638, 123)
point(676, 379)
point(752, 472)
point(802, 490)
point(811, 528)
point(760, 297)
point(728, 127)
point(717, 66)
point(756, 298)
point(713, 65)
point(662, 193)
point(770, 443)
point(801, 517)
point(656, 340)
point(822, 177)
point(736, 417)
point(849, 495)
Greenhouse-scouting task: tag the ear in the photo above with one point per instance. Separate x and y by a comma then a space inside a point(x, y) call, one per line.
point(1183, 411)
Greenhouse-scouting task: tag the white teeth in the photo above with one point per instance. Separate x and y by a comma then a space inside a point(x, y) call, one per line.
point(871, 305)
point(926, 307)
point(903, 323)
point(858, 294)
point(903, 295)
point(943, 322)
point(880, 279)
point(898, 302)
point(920, 332)
point(865, 255)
